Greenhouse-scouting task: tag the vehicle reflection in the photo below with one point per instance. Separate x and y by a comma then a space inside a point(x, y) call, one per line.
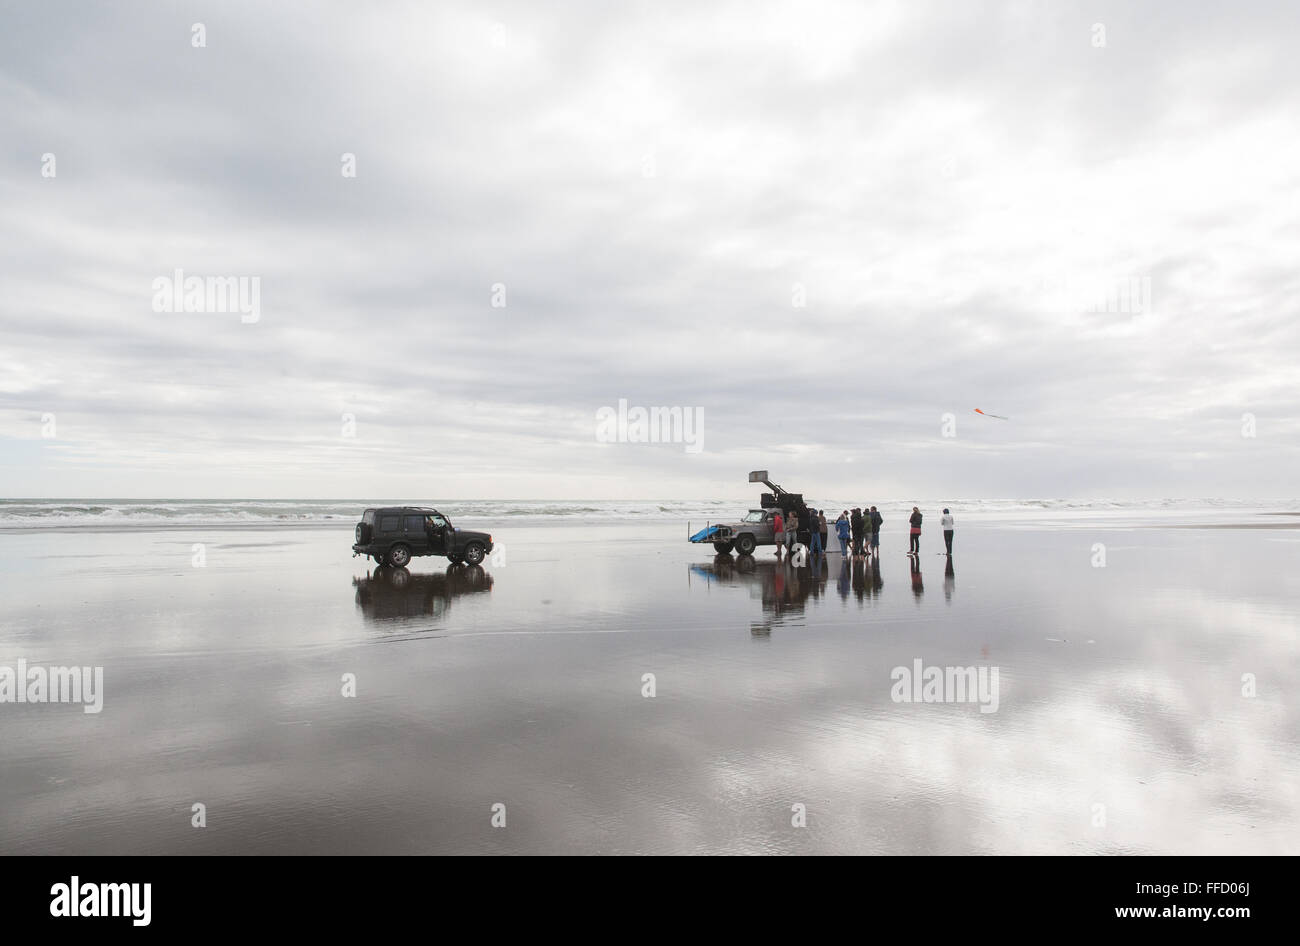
point(782, 588)
point(388, 593)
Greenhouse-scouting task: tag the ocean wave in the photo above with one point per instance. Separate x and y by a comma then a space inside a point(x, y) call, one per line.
point(56, 513)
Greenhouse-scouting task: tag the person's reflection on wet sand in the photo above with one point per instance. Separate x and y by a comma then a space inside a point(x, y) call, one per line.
point(876, 581)
point(842, 583)
point(788, 597)
point(859, 580)
point(819, 573)
point(917, 588)
point(949, 581)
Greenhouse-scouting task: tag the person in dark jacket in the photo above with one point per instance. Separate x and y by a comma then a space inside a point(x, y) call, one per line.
point(855, 526)
point(915, 520)
point(874, 521)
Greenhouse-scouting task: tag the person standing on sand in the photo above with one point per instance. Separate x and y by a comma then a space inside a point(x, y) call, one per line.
point(814, 534)
point(778, 532)
point(842, 532)
point(946, 523)
point(821, 523)
point(915, 520)
point(855, 527)
point(877, 520)
point(791, 531)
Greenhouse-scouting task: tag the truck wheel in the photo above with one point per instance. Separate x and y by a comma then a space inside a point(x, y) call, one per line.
point(745, 544)
point(724, 548)
point(473, 553)
point(399, 555)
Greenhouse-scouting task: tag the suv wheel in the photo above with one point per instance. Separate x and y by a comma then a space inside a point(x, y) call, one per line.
point(474, 553)
point(745, 544)
point(399, 555)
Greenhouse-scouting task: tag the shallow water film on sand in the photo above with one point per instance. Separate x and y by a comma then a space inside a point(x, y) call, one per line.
point(1090, 685)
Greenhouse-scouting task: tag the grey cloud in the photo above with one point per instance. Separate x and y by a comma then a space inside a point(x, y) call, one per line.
point(911, 166)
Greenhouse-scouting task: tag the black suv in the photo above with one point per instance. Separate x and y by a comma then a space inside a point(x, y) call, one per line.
point(394, 534)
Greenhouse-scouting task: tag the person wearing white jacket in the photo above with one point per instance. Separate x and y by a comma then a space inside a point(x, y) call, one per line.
point(945, 522)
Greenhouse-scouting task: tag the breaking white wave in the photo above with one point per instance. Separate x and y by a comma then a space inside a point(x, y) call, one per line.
point(72, 513)
point(68, 513)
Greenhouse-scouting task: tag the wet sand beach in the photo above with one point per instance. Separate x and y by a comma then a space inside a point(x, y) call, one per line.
point(1121, 724)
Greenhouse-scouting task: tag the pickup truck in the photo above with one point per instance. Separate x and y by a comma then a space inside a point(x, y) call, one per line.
point(756, 528)
point(393, 535)
point(758, 525)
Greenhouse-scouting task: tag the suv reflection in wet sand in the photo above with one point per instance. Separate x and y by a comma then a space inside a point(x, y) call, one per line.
point(389, 594)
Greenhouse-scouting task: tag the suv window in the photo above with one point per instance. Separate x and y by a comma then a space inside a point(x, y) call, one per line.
point(415, 523)
point(754, 515)
point(388, 523)
point(436, 521)
point(368, 517)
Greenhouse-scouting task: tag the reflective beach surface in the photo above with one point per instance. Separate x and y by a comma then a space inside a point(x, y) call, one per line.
point(607, 687)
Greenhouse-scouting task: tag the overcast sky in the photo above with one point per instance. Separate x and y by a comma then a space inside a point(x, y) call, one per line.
point(658, 187)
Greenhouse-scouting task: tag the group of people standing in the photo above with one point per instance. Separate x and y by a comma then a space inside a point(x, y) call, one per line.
point(786, 528)
point(862, 526)
point(859, 526)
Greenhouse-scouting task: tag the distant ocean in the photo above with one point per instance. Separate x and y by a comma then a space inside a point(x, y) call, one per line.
point(145, 513)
